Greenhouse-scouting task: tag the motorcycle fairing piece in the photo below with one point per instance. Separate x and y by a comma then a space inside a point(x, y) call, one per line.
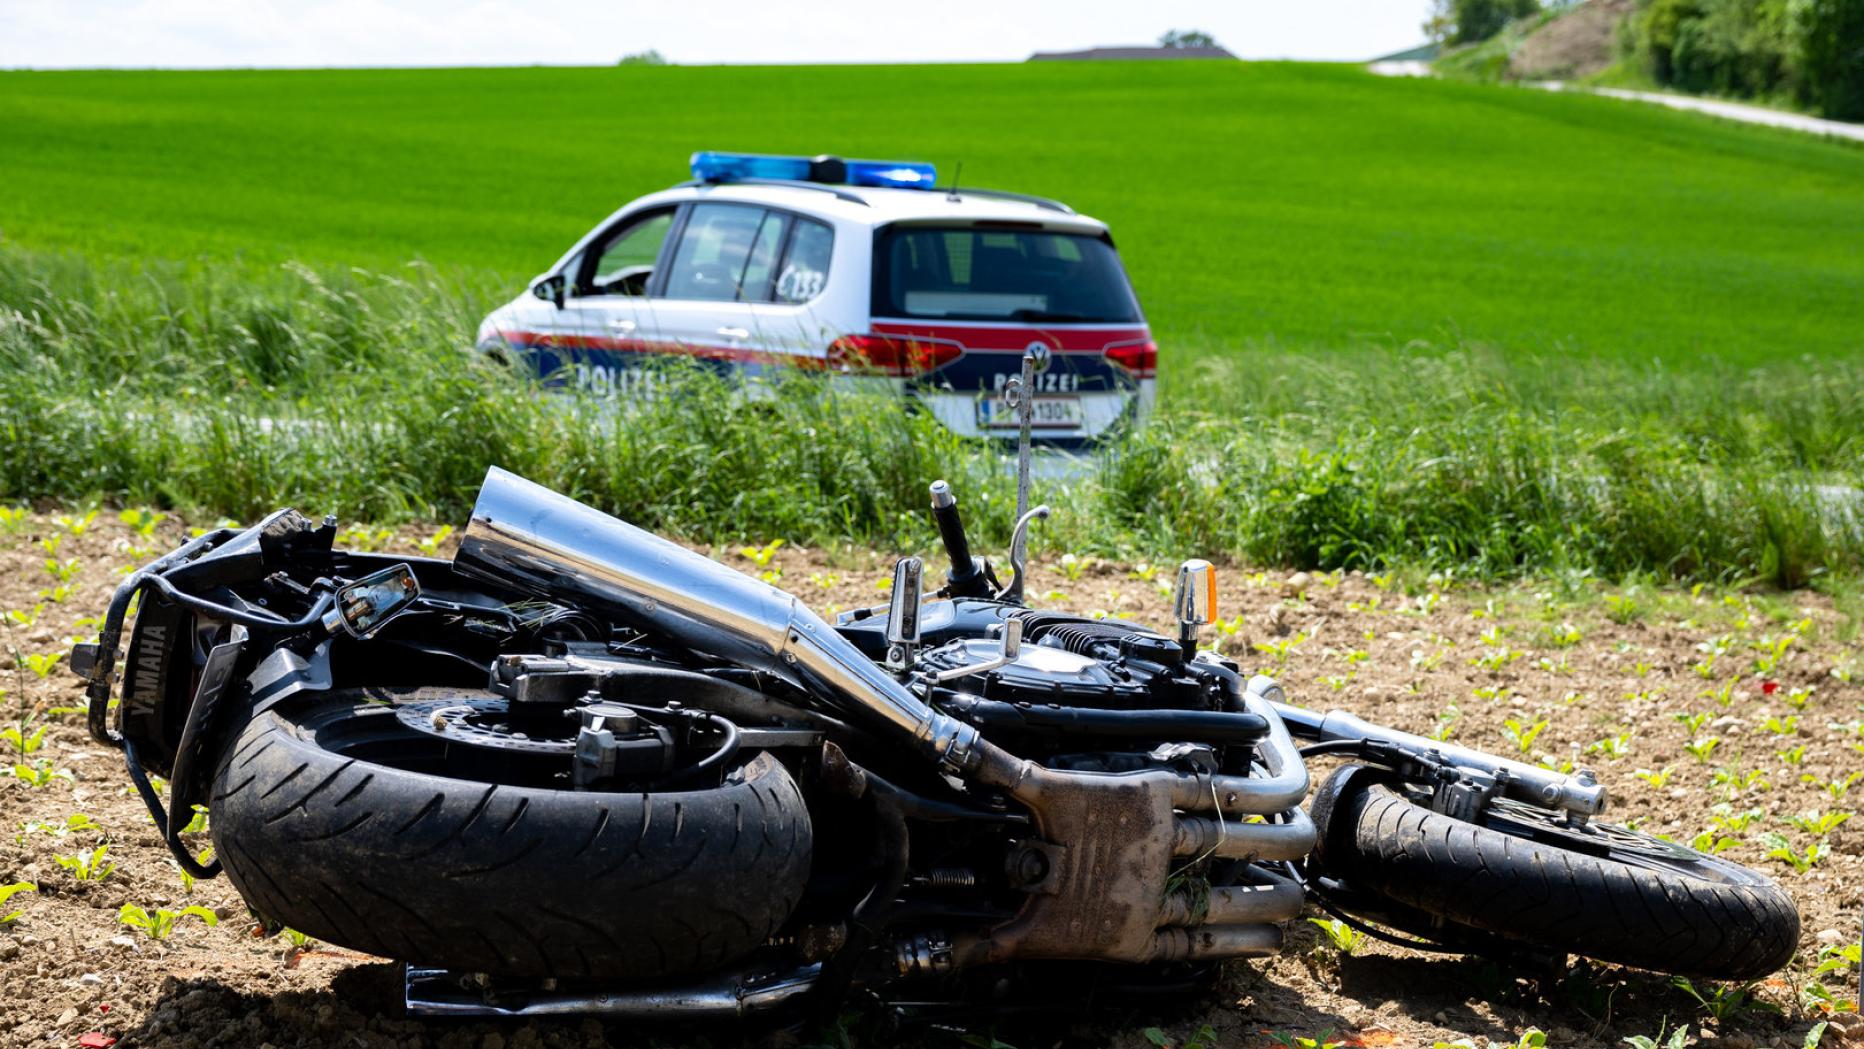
point(579, 768)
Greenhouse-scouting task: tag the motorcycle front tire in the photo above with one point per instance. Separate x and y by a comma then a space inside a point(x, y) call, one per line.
point(1603, 891)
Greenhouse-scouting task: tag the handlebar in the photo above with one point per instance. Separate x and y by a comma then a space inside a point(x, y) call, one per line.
point(968, 577)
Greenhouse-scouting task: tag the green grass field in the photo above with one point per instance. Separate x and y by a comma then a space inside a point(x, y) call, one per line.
point(1297, 205)
point(1405, 323)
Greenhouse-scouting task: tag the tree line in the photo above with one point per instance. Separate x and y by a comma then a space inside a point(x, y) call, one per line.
point(1809, 52)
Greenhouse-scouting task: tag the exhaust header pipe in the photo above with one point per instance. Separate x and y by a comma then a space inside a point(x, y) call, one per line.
point(526, 537)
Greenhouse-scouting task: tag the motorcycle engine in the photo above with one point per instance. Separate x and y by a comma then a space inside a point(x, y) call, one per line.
point(1069, 660)
point(1083, 694)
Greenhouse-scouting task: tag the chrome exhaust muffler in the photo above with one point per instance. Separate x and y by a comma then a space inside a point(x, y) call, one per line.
point(526, 537)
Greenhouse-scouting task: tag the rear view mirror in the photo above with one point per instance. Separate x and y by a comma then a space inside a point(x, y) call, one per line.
point(551, 289)
point(364, 605)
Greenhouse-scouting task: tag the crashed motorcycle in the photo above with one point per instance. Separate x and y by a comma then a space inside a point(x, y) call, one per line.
point(578, 768)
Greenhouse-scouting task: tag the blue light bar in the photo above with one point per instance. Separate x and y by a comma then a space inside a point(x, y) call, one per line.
point(727, 167)
point(711, 166)
point(891, 174)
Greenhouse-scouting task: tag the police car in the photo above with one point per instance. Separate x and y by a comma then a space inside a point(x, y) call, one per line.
point(854, 268)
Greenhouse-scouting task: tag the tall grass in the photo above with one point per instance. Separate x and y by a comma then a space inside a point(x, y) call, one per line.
point(358, 393)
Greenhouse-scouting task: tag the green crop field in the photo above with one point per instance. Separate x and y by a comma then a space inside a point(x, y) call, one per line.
point(1294, 204)
point(1403, 323)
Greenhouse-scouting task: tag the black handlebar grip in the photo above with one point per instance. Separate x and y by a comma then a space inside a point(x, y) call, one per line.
point(951, 530)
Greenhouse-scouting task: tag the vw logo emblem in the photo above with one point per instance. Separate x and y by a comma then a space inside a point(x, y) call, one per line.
point(1040, 351)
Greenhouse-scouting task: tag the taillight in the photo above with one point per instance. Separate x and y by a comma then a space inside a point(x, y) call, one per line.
point(1139, 358)
point(887, 355)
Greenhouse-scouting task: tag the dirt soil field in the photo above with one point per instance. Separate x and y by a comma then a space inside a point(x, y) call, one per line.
point(1727, 719)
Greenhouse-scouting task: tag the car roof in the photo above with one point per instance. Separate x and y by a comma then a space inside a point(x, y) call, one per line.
point(873, 206)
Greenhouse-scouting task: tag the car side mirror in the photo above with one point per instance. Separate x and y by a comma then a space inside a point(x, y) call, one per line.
point(551, 289)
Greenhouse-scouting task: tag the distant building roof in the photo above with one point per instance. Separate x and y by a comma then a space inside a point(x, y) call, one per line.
point(1104, 54)
point(1420, 53)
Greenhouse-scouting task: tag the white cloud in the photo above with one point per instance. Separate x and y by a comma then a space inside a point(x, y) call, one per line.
point(195, 33)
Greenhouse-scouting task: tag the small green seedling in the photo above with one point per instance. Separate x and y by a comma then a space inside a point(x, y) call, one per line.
point(363, 539)
point(1838, 959)
point(1692, 723)
point(431, 545)
point(1496, 658)
point(1611, 747)
point(1656, 778)
point(1794, 756)
point(1722, 1003)
point(62, 571)
point(7, 892)
point(1703, 749)
point(42, 663)
point(12, 519)
point(1623, 608)
point(88, 865)
point(1713, 844)
point(1838, 788)
point(1820, 823)
point(1523, 735)
point(72, 824)
point(142, 522)
point(1724, 816)
point(761, 555)
point(1779, 848)
point(1283, 648)
point(23, 743)
point(39, 774)
point(1782, 726)
point(160, 924)
point(1343, 937)
point(188, 880)
point(1677, 1040)
point(77, 526)
point(1446, 723)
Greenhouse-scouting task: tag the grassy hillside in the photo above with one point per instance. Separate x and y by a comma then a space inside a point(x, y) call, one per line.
point(1291, 205)
point(1410, 323)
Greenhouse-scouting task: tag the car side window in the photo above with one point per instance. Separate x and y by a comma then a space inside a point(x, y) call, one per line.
point(762, 266)
point(804, 272)
point(714, 251)
point(623, 262)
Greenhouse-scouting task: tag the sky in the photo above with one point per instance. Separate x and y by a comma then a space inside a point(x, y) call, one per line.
point(52, 34)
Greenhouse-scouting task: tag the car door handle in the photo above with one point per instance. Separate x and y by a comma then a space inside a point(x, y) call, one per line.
point(621, 324)
point(735, 333)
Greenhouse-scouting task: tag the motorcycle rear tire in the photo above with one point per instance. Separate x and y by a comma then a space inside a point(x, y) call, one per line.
point(1615, 895)
point(508, 880)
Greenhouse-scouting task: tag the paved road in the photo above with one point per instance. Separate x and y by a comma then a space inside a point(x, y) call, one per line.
point(1726, 110)
point(1713, 107)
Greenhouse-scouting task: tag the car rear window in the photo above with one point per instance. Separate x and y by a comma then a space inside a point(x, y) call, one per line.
point(1000, 275)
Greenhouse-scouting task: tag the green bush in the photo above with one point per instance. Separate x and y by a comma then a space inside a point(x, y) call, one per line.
point(1472, 21)
point(1831, 35)
point(1808, 50)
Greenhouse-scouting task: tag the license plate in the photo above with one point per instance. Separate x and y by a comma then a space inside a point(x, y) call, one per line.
point(1051, 413)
